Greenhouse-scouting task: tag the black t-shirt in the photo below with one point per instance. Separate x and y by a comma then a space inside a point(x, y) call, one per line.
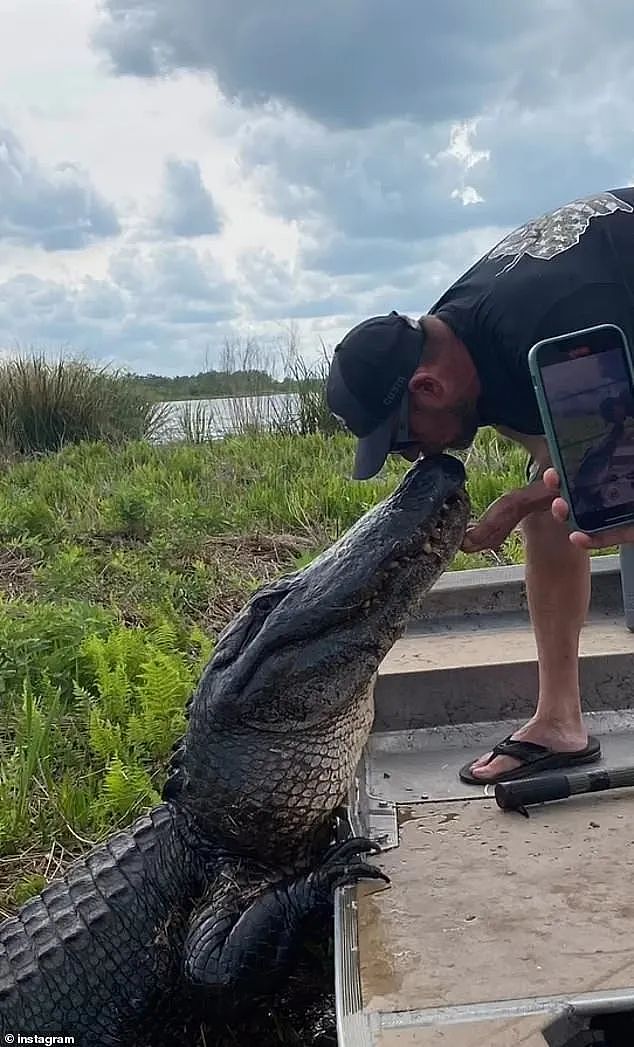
point(569, 269)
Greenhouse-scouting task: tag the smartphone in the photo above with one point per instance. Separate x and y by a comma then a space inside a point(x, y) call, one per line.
point(584, 383)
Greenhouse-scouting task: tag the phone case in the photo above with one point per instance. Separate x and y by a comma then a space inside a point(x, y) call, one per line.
point(544, 410)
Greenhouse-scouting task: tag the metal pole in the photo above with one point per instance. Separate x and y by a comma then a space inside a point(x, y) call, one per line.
point(626, 554)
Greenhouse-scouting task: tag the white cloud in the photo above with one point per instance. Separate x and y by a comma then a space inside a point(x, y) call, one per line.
point(157, 300)
point(467, 195)
point(56, 207)
point(461, 146)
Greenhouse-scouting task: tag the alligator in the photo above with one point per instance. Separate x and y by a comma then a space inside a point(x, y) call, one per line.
point(202, 902)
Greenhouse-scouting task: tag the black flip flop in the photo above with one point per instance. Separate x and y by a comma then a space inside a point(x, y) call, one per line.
point(535, 758)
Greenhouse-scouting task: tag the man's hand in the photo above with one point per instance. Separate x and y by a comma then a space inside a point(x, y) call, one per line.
point(504, 514)
point(560, 510)
point(495, 525)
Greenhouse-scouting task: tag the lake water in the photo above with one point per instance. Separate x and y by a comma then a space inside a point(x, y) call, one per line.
point(221, 417)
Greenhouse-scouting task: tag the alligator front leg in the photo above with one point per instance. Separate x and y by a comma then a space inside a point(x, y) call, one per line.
point(236, 950)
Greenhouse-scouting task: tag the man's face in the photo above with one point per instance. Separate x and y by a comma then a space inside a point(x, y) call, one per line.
point(436, 429)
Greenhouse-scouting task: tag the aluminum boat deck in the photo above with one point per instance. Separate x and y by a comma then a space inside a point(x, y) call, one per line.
point(495, 928)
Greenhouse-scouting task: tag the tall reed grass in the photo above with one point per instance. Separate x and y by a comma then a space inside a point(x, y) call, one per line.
point(301, 412)
point(46, 404)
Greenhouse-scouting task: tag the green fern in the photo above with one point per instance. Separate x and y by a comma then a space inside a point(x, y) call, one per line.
point(126, 787)
point(115, 661)
point(106, 738)
point(164, 636)
point(162, 694)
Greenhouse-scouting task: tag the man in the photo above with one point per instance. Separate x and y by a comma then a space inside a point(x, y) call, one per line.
point(417, 387)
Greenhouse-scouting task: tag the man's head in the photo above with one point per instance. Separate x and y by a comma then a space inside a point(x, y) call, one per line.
point(403, 386)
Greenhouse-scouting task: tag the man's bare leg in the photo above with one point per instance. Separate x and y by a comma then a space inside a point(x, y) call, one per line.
point(558, 589)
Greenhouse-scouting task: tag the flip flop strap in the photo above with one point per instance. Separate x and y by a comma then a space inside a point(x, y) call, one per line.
point(527, 752)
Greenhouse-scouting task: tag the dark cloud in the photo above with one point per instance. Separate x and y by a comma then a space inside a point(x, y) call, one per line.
point(165, 271)
point(344, 62)
point(409, 178)
point(545, 157)
point(370, 199)
point(339, 256)
point(188, 208)
point(56, 208)
point(353, 63)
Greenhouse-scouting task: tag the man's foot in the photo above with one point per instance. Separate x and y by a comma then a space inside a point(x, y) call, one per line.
point(573, 739)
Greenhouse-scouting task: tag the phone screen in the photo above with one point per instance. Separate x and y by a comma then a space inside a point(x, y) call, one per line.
point(590, 398)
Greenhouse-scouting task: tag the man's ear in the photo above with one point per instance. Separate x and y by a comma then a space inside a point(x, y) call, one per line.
point(427, 388)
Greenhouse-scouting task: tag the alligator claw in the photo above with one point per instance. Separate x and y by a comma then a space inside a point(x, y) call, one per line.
point(349, 875)
point(338, 870)
point(356, 845)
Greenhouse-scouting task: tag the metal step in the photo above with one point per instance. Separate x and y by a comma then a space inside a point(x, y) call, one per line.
point(480, 664)
point(501, 590)
point(486, 669)
point(526, 1030)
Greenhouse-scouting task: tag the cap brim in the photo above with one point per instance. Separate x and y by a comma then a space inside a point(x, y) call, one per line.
point(372, 450)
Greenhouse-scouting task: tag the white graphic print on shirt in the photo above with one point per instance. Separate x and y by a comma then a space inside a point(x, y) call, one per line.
point(556, 231)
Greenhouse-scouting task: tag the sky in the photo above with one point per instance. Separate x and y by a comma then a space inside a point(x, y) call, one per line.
point(179, 177)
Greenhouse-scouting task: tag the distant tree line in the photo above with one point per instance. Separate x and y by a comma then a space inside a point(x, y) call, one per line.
point(209, 384)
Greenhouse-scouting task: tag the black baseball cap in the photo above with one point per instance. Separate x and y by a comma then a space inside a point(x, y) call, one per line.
point(367, 385)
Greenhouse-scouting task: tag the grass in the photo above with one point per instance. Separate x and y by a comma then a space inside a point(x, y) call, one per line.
point(119, 566)
point(45, 405)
